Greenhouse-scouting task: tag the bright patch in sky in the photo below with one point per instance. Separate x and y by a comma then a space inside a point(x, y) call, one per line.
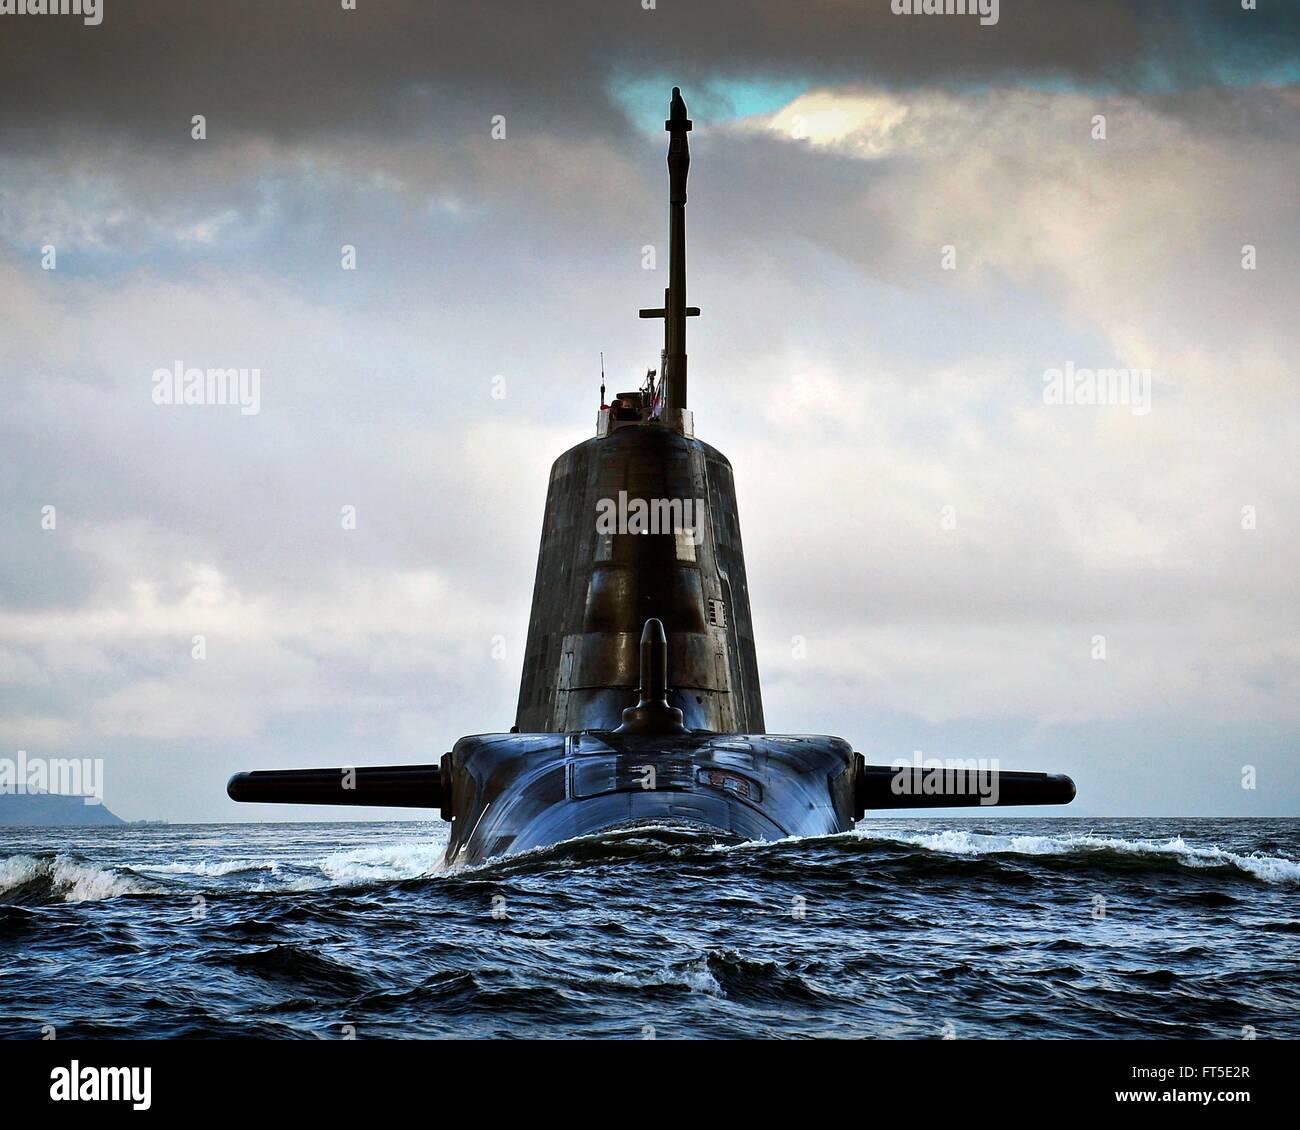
point(718, 100)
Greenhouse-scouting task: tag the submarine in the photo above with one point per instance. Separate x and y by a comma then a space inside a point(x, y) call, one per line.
point(639, 700)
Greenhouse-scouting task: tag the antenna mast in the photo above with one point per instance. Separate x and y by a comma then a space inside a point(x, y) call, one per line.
point(675, 311)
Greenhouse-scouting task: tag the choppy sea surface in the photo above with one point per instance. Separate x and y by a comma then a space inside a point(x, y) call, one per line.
point(914, 928)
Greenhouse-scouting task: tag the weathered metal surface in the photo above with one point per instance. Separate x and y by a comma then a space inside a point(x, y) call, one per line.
point(591, 599)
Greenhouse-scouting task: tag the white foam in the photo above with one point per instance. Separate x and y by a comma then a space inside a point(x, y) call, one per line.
point(695, 976)
point(385, 863)
point(379, 864)
point(74, 882)
point(292, 885)
point(700, 979)
point(15, 870)
point(221, 867)
point(1269, 868)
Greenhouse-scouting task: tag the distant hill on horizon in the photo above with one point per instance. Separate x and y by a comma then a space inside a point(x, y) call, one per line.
point(49, 810)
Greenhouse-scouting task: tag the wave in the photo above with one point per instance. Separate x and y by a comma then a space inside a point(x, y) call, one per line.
point(49, 878)
point(204, 869)
point(1267, 868)
point(642, 841)
point(341, 869)
point(388, 863)
point(31, 878)
point(665, 844)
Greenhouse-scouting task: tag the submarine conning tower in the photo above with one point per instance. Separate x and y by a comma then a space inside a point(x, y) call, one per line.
point(640, 523)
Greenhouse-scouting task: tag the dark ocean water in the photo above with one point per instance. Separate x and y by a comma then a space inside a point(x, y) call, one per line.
point(905, 928)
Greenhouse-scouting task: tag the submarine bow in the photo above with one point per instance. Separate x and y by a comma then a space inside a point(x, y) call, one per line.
point(639, 699)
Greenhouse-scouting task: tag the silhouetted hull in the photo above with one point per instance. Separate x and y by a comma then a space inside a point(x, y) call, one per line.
point(515, 792)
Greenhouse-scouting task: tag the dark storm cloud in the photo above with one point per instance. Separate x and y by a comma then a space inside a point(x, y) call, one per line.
point(297, 69)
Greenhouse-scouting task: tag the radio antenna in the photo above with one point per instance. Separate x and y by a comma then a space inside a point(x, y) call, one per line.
point(674, 312)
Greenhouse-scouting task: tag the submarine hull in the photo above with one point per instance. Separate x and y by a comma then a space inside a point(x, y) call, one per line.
point(516, 792)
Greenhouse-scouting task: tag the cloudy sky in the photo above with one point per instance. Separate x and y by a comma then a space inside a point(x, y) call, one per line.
point(946, 545)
